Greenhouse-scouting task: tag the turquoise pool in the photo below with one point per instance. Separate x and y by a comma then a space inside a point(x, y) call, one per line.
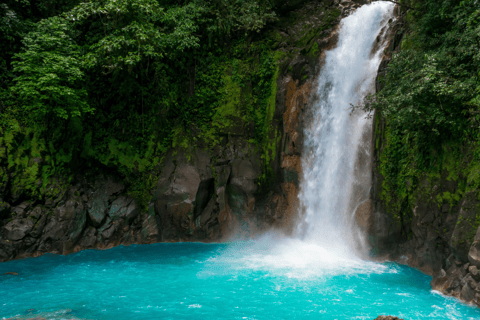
point(265, 279)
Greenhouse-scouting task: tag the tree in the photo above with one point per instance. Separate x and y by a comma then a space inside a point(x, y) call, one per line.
point(50, 80)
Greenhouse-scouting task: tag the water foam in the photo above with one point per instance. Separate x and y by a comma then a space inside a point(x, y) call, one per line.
point(291, 257)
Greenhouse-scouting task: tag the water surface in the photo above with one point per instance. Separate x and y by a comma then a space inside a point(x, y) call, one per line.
point(266, 279)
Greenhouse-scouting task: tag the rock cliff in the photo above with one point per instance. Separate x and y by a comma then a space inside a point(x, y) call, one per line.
point(434, 225)
point(203, 192)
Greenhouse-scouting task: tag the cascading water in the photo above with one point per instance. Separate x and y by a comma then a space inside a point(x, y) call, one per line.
point(336, 177)
point(331, 187)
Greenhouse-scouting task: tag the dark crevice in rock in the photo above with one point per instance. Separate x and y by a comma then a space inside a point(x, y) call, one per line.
point(206, 191)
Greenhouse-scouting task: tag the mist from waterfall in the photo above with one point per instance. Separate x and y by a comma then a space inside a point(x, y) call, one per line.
point(335, 178)
point(336, 162)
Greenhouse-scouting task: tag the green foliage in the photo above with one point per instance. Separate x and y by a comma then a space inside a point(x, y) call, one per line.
point(430, 100)
point(50, 80)
point(111, 85)
point(431, 87)
point(245, 15)
point(130, 31)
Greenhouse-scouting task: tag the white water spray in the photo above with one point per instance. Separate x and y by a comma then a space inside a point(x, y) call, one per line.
point(333, 182)
point(332, 186)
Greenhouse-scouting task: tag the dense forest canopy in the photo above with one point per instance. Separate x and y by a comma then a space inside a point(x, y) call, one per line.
point(112, 84)
point(431, 98)
point(88, 86)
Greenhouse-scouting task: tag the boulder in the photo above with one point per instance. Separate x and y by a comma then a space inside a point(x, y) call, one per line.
point(222, 198)
point(6, 250)
point(123, 207)
point(164, 180)
point(21, 209)
point(54, 192)
point(35, 213)
point(53, 231)
point(39, 226)
point(223, 174)
point(183, 193)
point(474, 254)
point(448, 282)
point(467, 293)
point(473, 270)
point(205, 192)
point(387, 318)
point(66, 225)
point(98, 204)
point(463, 235)
point(73, 217)
point(237, 201)
point(107, 233)
point(106, 225)
point(97, 210)
point(150, 230)
point(17, 229)
point(208, 215)
point(244, 175)
point(468, 279)
point(363, 215)
point(89, 238)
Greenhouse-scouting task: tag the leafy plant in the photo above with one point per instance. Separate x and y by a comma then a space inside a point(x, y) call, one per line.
point(50, 80)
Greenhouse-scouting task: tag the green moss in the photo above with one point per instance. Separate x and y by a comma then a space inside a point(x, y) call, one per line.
point(331, 15)
point(274, 37)
point(469, 229)
point(309, 36)
point(447, 197)
point(271, 136)
point(473, 178)
point(181, 141)
point(230, 104)
point(314, 50)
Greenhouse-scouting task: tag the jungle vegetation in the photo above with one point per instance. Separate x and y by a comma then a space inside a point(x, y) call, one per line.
point(110, 85)
point(431, 101)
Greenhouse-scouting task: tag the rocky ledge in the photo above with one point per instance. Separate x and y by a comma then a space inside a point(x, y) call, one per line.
point(461, 280)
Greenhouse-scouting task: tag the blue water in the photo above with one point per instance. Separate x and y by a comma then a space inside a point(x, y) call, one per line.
point(267, 279)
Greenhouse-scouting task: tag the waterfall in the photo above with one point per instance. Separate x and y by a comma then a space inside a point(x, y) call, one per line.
point(336, 162)
point(336, 178)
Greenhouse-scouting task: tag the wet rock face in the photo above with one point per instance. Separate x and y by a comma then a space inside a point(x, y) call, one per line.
point(17, 229)
point(183, 192)
point(204, 196)
point(85, 216)
point(438, 238)
point(460, 281)
point(474, 253)
point(437, 235)
point(195, 199)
